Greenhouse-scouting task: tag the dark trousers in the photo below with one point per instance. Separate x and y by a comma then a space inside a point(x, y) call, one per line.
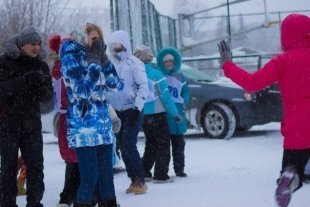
point(157, 145)
point(95, 165)
point(178, 147)
point(72, 183)
point(31, 147)
point(298, 159)
point(127, 142)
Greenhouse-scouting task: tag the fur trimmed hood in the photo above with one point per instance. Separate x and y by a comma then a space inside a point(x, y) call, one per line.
point(177, 60)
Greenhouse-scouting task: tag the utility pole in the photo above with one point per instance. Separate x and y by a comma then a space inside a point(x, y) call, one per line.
point(228, 22)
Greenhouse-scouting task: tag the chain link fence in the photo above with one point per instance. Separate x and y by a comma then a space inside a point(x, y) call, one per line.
point(146, 26)
point(251, 29)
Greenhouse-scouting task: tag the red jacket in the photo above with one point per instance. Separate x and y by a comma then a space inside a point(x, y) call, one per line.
point(291, 70)
point(61, 104)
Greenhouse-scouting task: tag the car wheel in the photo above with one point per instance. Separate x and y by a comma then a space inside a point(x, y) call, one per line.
point(218, 121)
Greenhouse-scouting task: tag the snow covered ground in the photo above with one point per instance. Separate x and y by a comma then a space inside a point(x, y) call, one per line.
point(240, 172)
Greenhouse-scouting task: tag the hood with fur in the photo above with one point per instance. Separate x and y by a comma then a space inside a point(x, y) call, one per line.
point(177, 60)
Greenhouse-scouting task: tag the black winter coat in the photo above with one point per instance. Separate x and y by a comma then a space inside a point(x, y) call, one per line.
point(20, 97)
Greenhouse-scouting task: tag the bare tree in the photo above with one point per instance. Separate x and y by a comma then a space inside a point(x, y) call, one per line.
point(41, 14)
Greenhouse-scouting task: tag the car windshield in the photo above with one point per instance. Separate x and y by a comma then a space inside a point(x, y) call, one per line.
point(195, 74)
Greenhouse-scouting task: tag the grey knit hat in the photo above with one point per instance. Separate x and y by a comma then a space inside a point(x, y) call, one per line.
point(144, 54)
point(28, 35)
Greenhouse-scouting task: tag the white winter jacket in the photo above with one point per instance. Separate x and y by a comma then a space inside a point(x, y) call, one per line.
point(134, 88)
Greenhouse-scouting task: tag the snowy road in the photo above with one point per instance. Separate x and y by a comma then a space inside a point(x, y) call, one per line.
point(240, 172)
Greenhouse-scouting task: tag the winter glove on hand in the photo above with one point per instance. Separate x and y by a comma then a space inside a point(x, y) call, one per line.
point(33, 78)
point(225, 52)
point(178, 118)
point(134, 115)
point(104, 60)
point(116, 125)
point(96, 51)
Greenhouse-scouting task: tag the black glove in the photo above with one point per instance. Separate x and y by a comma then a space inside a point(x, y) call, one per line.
point(104, 58)
point(225, 52)
point(134, 115)
point(33, 77)
point(95, 52)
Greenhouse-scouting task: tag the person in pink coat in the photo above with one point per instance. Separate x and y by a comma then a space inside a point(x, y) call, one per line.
point(291, 70)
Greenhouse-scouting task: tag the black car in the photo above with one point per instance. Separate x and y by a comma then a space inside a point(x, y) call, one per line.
point(221, 107)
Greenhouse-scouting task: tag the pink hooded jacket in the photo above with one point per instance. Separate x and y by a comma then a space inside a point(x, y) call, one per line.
point(291, 70)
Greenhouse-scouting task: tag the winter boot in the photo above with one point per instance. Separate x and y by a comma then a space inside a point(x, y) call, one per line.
point(181, 174)
point(288, 183)
point(81, 205)
point(306, 178)
point(130, 189)
point(109, 203)
point(166, 179)
point(139, 187)
point(21, 188)
point(148, 177)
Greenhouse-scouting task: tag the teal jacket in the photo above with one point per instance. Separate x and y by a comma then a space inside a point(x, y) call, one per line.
point(158, 99)
point(178, 89)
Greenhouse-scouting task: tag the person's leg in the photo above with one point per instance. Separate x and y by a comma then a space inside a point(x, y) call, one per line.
point(129, 150)
point(88, 167)
point(105, 172)
point(32, 152)
point(307, 173)
point(161, 134)
point(149, 154)
point(178, 147)
point(9, 154)
point(298, 159)
point(128, 137)
point(293, 163)
point(71, 185)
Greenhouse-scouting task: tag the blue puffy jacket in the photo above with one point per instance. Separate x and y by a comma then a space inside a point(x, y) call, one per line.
point(88, 120)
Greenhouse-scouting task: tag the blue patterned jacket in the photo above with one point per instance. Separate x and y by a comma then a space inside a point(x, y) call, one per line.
point(88, 120)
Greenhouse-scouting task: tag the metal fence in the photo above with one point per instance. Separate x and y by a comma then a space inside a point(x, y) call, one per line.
point(146, 26)
point(252, 32)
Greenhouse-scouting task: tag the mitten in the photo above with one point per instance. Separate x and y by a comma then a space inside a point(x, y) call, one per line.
point(225, 52)
point(95, 52)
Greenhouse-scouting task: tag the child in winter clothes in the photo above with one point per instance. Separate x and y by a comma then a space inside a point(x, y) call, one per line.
point(291, 70)
point(72, 175)
point(169, 62)
point(87, 76)
point(155, 127)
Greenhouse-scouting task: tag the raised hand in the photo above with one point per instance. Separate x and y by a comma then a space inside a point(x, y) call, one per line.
point(225, 52)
